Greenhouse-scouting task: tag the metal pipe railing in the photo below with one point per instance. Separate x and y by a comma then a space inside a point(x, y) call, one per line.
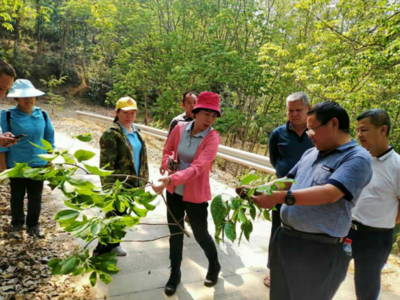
point(248, 159)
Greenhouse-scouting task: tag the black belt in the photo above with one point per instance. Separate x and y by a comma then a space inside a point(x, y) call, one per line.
point(361, 227)
point(316, 237)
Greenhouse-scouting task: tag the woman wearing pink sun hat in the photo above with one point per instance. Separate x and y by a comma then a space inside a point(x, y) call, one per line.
point(194, 146)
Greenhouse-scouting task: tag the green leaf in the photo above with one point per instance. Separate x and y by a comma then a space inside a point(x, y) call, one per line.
point(247, 229)
point(242, 216)
point(218, 210)
point(47, 145)
point(97, 171)
point(149, 206)
point(71, 205)
point(68, 158)
point(140, 212)
point(67, 266)
point(266, 215)
point(67, 214)
point(93, 278)
point(82, 155)
point(105, 278)
point(48, 157)
point(249, 179)
point(230, 231)
point(31, 173)
point(85, 137)
point(253, 212)
point(96, 228)
point(37, 146)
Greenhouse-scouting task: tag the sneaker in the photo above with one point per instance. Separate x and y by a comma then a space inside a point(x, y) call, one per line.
point(119, 250)
point(212, 275)
point(15, 230)
point(173, 282)
point(35, 231)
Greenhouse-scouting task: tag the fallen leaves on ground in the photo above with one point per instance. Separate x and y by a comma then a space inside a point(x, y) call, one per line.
point(24, 273)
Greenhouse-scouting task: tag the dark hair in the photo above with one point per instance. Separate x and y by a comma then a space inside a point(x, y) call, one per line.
point(197, 110)
point(325, 111)
point(378, 118)
point(7, 69)
point(116, 117)
point(185, 94)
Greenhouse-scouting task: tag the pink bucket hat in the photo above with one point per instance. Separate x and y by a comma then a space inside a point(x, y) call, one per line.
point(207, 100)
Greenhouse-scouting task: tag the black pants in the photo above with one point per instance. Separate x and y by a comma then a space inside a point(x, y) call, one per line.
point(197, 214)
point(304, 270)
point(276, 224)
point(371, 249)
point(19, 187)
point(100, 248)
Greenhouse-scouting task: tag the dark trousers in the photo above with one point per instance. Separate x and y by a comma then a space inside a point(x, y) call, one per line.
point(276, 223)
point(370, 249)
point(197, 214)
point(34, 189)
point(304, 270)
point(100, 248)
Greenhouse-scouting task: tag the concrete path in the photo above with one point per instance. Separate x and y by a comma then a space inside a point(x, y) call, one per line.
point(144, 272)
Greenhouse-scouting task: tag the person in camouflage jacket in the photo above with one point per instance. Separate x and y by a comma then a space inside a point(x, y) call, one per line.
point(123, 150)
point(117, 154)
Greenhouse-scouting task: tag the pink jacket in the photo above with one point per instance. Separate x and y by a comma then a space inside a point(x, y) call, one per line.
point(197, 176)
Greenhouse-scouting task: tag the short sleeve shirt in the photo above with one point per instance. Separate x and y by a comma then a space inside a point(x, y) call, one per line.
point(348, 167)
point(379, 201)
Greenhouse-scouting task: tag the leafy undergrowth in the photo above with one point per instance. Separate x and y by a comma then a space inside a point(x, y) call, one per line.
point(24, 273)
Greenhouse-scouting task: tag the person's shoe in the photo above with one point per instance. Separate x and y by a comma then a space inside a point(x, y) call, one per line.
point(173, 282)
point(15, 229)
point(119, 250)
point(35, 231)
point(212, 275)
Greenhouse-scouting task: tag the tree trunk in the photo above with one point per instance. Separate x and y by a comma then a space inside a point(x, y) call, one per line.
point(145, 110)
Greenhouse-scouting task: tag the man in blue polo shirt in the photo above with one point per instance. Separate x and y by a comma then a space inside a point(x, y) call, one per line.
point(307, 257)
point(286, 145)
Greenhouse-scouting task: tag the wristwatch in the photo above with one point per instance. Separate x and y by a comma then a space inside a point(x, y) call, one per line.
point(289, 198)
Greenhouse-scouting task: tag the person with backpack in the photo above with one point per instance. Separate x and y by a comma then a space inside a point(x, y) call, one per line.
point(30, 124)
point(194, 147)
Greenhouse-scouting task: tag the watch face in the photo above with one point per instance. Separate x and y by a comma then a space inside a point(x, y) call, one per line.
point(289, 200)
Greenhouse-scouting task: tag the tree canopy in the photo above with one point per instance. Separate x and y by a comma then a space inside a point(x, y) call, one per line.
point(252, 52)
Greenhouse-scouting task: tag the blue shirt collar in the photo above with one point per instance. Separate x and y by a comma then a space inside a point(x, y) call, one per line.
point(126, 131)
point(202, 134)
point(346, 146)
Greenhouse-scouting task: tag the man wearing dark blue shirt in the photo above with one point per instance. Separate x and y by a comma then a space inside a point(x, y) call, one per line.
point(287, 144)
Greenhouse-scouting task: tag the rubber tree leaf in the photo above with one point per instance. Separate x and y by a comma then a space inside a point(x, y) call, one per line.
point(85, 137)
point(82, 155)
point(97, 171)
point(230, 231)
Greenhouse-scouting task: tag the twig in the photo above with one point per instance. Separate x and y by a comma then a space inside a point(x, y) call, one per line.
point(89, 243)
point(139, 241)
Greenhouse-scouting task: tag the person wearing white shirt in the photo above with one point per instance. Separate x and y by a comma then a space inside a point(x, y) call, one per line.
point(377, 210)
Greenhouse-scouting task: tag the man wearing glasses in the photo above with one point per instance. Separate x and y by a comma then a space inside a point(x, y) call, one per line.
point(7, 77)
point(286, 145)
point(307, 259)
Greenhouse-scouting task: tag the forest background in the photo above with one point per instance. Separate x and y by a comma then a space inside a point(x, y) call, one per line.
point(252, 52)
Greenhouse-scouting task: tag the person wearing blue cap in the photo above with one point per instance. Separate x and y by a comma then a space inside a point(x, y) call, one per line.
point(31, 124)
